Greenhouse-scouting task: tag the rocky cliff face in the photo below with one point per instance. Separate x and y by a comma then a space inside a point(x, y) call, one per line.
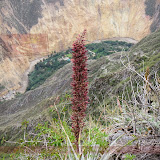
point(60, 21)
point(156, 18)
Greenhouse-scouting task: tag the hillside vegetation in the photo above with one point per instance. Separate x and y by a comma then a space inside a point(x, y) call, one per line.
point(123, 110)
point(55, 61)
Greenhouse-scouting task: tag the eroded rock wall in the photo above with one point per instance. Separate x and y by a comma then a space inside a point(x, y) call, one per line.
point(62, 20)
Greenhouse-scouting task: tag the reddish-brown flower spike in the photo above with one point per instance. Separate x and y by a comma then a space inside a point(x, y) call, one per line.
point(79, 85)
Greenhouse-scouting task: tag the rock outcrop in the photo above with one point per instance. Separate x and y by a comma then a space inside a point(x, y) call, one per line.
point(60, 21)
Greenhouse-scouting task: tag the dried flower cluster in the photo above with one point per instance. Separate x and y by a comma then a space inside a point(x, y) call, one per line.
point(79, 85)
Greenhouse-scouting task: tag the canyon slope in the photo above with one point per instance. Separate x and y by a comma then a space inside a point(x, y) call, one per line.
point(107, 78)
point(32, 29)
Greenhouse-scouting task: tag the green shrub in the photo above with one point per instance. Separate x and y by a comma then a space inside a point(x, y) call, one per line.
point(1, 87)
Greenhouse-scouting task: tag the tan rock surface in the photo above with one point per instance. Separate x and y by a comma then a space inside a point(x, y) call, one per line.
point(102, 19)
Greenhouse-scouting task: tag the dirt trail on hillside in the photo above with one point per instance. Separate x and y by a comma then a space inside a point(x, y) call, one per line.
point(125, 39)
point(25, 76)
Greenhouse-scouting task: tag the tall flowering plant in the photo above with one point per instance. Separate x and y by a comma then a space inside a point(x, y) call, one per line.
point(79, 86)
